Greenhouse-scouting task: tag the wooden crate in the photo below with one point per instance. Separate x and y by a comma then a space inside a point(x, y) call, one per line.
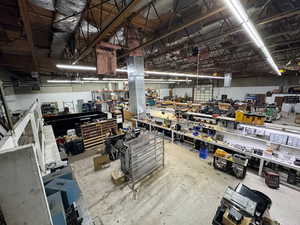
point(128, 115)
point(94, 134)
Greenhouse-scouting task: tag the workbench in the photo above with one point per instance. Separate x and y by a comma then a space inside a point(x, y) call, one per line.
point(221, 144)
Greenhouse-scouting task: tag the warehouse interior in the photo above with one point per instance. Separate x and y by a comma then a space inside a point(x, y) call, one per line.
point(142, 112)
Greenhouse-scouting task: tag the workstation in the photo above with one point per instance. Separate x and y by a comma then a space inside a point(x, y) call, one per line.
point(142, 112)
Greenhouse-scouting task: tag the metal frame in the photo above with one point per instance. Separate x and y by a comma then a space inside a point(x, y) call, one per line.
point(33, 117)
point(144, 159)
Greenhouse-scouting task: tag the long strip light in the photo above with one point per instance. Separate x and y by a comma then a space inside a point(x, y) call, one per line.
point(91, 68)
point(103, 81)
point(240, 13)
point(176, 74)
point(79, 81)
point(76, 67)
point(158, 80)
point(90, 78)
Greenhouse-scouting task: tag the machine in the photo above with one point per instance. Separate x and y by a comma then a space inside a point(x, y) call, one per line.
point(63, 196)
point(242, 206)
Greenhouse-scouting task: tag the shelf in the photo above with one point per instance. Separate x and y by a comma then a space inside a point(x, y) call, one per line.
point(251, 137)
point(109, 91)
point(226, 146)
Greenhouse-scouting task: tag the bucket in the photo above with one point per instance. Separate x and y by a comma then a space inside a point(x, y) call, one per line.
point(203, 153)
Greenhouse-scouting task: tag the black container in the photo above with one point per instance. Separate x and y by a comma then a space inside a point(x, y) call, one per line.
point(292, 177)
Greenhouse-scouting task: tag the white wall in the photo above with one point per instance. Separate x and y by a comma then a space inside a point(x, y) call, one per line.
point(239, 93)
point(236, 93)
point(23, 101)
point(181, 92)
point(23, 98)
point(162, 89)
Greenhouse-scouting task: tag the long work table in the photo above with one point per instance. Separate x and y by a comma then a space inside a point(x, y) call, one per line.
point(221, 144)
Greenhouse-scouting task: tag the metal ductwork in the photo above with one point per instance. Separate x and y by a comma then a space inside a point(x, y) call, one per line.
point(65, 24)
point(88, 28)
point(45, 4)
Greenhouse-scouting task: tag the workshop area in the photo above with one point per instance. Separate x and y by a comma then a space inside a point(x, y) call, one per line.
point(186, 191)
point(142, 112)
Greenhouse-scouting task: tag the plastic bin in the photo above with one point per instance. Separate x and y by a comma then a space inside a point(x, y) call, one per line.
point(203, 153)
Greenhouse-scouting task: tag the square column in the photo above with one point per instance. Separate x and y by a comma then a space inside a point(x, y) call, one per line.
point(135, 69)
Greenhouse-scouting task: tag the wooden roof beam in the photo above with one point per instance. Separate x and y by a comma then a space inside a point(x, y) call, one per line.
point(24, 12)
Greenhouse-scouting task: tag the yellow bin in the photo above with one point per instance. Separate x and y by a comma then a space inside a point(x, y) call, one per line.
point(239, 116)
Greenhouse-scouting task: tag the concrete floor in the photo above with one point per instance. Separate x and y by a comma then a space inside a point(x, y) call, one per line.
point(187, 191)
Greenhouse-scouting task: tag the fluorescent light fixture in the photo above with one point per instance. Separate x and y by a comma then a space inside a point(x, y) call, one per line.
point(64, 81)
point(122, 70)
point(154, 80)
point(240, 13)
point(79, 81)
point(91, 68)
point(159, 82)
point(115, 79)
point(90, 78)
point(76, 67)
point(101, 82)
point(176, 74)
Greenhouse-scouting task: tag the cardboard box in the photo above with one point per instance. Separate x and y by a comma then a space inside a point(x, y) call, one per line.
point(101, 162)
point(118, 177)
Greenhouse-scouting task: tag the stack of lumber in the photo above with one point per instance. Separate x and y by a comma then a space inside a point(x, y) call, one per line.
point(94, 134)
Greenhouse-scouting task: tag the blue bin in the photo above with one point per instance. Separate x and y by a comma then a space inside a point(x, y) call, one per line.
point(203, 153)
point(195, 133)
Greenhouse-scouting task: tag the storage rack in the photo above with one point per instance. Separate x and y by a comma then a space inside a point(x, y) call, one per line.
point(94, 133)
point(144, 155)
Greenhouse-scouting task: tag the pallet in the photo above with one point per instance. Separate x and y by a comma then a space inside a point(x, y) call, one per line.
point(94, 134)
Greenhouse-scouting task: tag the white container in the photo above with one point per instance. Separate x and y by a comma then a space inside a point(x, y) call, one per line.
point(286, 107)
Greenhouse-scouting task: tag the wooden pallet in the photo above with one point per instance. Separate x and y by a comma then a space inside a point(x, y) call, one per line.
point(94, 134)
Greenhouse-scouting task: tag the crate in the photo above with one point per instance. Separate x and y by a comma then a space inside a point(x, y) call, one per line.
point(272, 179)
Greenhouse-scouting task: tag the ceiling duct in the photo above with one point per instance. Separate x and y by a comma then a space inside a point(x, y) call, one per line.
point(59, 42)
point(65, 23)
point(45, 4)
point(69, 7)
point(68, 25)
point(88, 28)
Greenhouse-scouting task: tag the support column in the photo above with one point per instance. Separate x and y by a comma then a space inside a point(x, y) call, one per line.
point(135, 68)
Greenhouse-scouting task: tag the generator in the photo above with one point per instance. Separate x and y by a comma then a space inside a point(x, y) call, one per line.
point(242, 206)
